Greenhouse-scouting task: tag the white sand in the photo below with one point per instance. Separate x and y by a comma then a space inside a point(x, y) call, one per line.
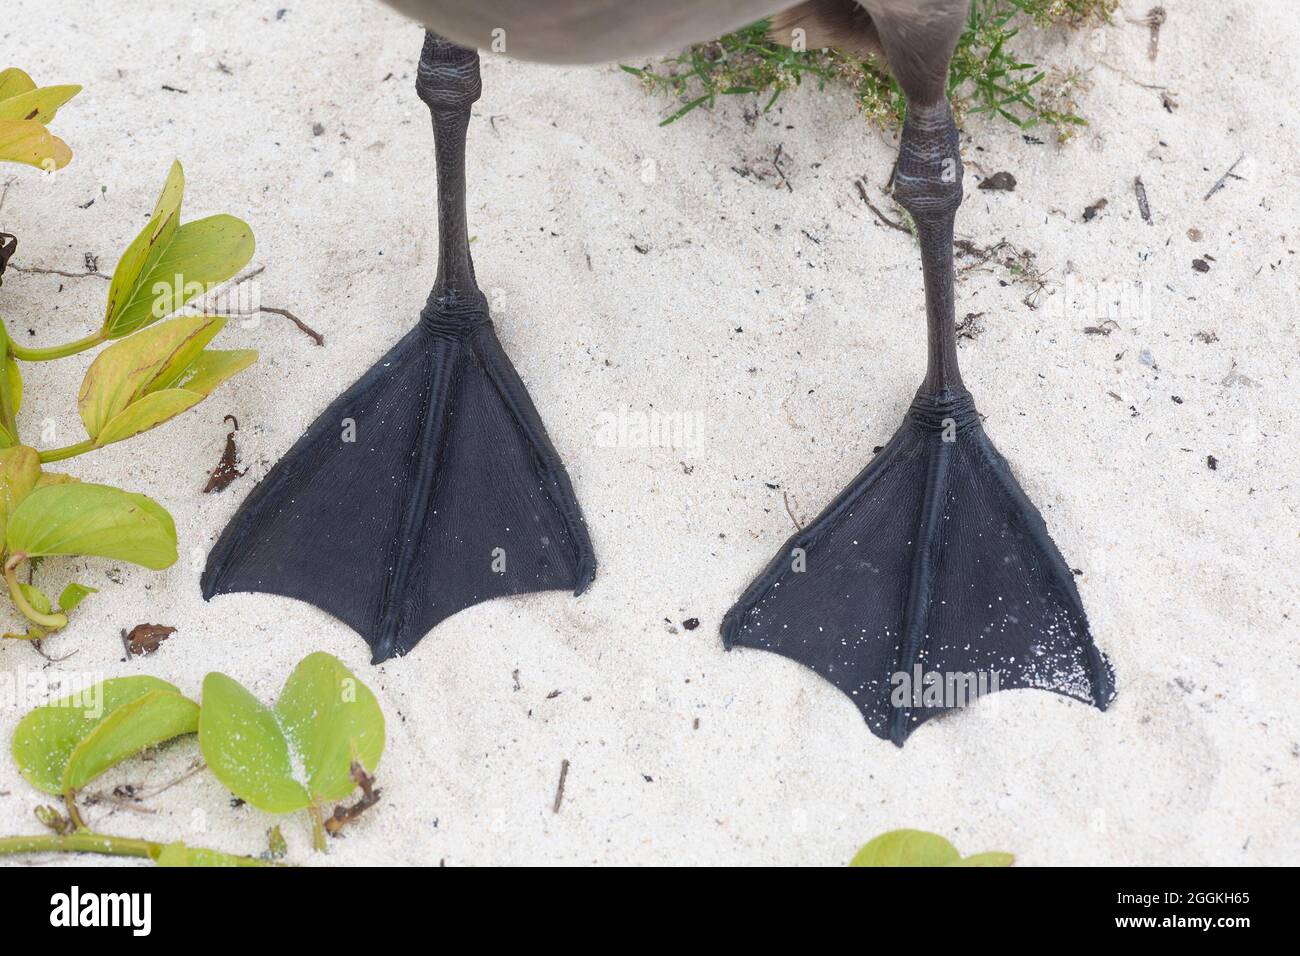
point(1190, 574)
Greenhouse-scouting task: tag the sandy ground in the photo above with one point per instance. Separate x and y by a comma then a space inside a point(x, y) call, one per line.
point(631, 269)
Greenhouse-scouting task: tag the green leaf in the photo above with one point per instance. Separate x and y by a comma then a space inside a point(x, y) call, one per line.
point(178, 854)
point(55, 478)
point(200, 256)
point(153, 376)
point(36, 598)
point(146, 248)
point(20, 469)
point(169, 264)
point(300, 752)
point(215, 366)
point(277, 848)
point(246, 749)
point(907, 848)
point(45, 739)
point(30, 143)
point(37, 105)
point(146, 413)
point(85, 519)
point(986, 859)
point(73, 595)
point(148, 360)
point(919, 848)
point(14, 81)
point(331, 719)
point(144, 722)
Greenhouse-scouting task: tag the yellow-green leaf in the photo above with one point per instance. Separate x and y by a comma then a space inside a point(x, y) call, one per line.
point(325, 717)
point(44, 740)
point(38, 105)
point(55, 478)
point(14, 81)
point(30, 143)
point(907, 848)
point(215, 366)
point(149, 360)
point(144, 722)
point(149, 244)
point(246, 749)
point(20, 469)
point(74, 594)
point(147, 412)
point(986, 859)
point(88, 519)
point(168, 264)
point(330, 719)
point(36, 597)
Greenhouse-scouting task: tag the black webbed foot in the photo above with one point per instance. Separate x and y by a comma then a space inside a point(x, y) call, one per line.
point(430, 485)
point(931, 579)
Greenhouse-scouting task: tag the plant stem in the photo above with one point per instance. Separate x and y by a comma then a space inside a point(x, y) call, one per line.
point(317, 830)
point(67, 451)
point(57, 351)
point(52, 621)
point(8, 418)
point(74, 814)
point(83, 841)
point(87, 841)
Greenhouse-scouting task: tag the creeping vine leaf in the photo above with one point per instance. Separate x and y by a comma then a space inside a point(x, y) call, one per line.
point(131, 387)
point(24, 111)
point(64, 745)
point(84, 519)
point(168, 263)
point(74, 594)
point(919, 848)
point(154, 375)
point(20, 469)
point(299, 753)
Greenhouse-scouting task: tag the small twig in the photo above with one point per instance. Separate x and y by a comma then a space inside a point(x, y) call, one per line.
point(39, 649)
point(342, 816)
point(786, 496)
point(1143, 206)
point(302, 326)
point(85, 274)
point(1224, 178)
point(285, 313)
point(776, 163)
point(559, 790)
point(885, 220)
point(139, 795)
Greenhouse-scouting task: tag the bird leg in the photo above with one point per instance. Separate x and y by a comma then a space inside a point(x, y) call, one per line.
point(448, 81)
point(430, 485)
point(931, 579)
point(928, 185)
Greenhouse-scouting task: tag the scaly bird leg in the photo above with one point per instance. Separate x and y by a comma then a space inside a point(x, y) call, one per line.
point(931, 579)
